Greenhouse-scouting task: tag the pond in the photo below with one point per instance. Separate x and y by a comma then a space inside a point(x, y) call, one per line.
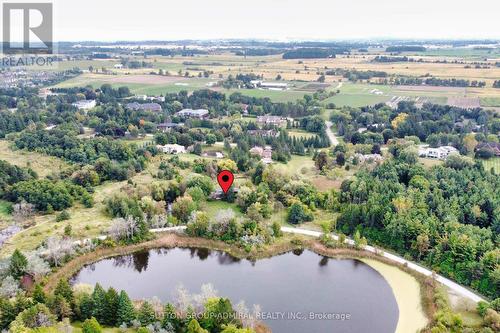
point(343, 295)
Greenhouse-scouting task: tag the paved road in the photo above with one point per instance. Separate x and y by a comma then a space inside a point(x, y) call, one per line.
point(331, 136)
point(441, 279)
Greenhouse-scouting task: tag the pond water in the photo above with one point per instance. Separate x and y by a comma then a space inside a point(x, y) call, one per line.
point(288, 287)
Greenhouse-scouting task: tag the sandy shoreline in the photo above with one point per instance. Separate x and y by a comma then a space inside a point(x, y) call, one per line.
point(406, 290)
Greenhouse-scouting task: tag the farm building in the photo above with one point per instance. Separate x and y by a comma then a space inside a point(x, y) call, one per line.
point(145, 107)
point(190, 113)
point(172, 149)
point(85, 104)
point(269, 85)
point(440, 153)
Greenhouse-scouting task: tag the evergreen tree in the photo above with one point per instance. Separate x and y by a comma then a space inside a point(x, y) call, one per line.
point(64, 290)
point(85, 307)
point(218, 312)
point(125, 312)
point(146, 314)
point(38, 294)
point(7, 313)
point(61, 307)
point(22, 303)
point(170, 318)
point(18, 263)
point(111, 307)
point(99, 303)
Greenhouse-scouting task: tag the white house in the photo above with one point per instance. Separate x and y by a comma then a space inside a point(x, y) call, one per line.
point(172, 149)
point(440, 153)
point(85, 104)
point(118, 66)
point(190, 113)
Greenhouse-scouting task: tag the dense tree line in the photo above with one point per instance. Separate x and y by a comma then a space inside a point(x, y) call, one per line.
point(405, 48)
point(432, 123)
point(447, 217)
point(203, 313)
point(355, 75)
point(310, 53)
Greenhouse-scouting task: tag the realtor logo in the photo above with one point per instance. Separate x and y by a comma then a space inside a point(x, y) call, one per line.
point(27, 28)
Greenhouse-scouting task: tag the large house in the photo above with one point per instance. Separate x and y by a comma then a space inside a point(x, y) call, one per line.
point(167, 127)
point(493, 147)
point(145, 107)
point(440, 153)
point(172, 149)
point(268, 120)
point(265, 153)
point(264, 133)
point(85, 104)
point(190, 113)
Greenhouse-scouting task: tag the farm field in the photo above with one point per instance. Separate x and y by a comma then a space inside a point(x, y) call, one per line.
point(302, 76)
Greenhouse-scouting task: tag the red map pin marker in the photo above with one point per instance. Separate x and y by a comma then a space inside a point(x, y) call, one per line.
point(225, 179)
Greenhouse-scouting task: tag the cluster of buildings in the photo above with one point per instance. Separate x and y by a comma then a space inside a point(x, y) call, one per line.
point(440, 153)
point(265, 153)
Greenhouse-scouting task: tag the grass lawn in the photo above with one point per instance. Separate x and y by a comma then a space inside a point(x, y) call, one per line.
point(302, 166)
point(430, 162)
point(212, 207)
point(43, 165)
point(492, 163)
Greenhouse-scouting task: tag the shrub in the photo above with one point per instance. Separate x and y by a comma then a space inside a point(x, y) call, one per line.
point(63, 216)
point(91, 326)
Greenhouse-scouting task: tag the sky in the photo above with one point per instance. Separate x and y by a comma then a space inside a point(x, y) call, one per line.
point(115, 20)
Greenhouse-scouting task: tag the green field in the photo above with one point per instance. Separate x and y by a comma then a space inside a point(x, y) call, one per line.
point(491, 101)
point(469, 53)
point(355, 95)
point(96, 81)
